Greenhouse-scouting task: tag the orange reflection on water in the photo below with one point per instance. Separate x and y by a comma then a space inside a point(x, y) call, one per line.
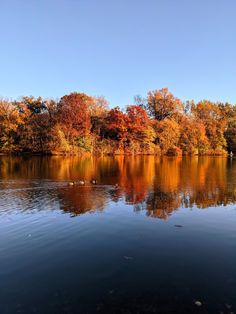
point(157, 185)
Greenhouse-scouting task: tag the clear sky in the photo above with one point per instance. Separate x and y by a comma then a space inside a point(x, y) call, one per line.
point(118, 48)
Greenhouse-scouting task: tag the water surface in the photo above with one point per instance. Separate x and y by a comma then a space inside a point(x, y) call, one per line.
point(164, 239)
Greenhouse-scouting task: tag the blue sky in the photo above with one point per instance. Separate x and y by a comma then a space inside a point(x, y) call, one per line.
point(118, 48)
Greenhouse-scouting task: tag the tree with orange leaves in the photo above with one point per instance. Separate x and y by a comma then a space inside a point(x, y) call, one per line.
point(210, 115)
point(10, 119)
point(167, 134)
point(193, 139)
point(161, 104)
point(140, 132)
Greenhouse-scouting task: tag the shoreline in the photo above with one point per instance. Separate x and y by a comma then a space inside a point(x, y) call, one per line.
point(114, 154)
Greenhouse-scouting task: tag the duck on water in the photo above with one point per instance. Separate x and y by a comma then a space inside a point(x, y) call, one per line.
point(73, 183)
point(82, 182)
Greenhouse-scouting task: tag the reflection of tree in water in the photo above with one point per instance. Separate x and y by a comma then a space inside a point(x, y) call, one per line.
point(79, 200)
point(159, 204)
point(157, 185)
point(200, 182)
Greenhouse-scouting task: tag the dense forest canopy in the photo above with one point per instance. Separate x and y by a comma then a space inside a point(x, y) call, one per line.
point(157, 124)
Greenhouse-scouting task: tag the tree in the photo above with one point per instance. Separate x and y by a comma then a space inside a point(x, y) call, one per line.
point(74, 116)
point(210, 115)
point(161, 104)
point(137, 122)
point(229, 112)
point(10, 119)
point(35, 105)
point(193, 138)
point(37, 133)
point(140, 136)
point(116, 126)
point(167, 134)
point(98, 106)
point(98, 110)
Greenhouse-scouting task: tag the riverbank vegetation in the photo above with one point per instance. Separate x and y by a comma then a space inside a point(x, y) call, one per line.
point(158, 124)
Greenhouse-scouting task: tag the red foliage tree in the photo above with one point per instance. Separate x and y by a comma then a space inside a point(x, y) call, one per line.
point(116, 125)
point(137, 122)
point(73, 115)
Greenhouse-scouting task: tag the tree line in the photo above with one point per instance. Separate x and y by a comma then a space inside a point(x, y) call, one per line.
point(159, 123)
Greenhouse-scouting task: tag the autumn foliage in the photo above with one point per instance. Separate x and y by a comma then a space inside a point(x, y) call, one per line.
point(78, 124)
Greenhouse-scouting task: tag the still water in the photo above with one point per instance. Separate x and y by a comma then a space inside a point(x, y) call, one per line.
point(164, 241)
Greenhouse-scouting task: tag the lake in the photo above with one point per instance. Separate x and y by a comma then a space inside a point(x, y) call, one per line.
point(163, 241)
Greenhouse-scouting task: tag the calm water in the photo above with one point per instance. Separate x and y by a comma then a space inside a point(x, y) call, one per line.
point(163, 240)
